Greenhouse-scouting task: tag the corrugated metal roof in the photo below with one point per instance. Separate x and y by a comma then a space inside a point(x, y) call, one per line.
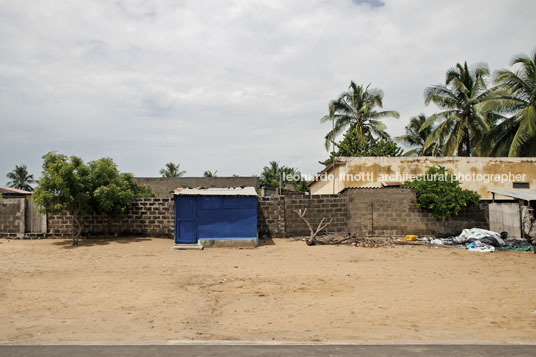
point(522, 194)
point(164, 186)
point(216, 191)
point(14, 190)
point(364, 188)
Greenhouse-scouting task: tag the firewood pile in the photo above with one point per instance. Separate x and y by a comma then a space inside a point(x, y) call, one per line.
point(350, 239)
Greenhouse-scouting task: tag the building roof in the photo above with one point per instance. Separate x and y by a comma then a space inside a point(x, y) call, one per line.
point(521, 194)
point(216, 191)
point(391, 184)
point(164, 187)
point(16, 191)
point(329, 167)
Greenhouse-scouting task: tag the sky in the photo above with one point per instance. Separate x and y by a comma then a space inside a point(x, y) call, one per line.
point(226, 85)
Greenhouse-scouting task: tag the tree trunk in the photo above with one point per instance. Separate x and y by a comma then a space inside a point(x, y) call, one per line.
point(468, 143)
point(76, 220)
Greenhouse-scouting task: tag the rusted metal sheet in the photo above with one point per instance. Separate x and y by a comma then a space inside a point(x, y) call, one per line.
point(504, 217)
point(35, 222)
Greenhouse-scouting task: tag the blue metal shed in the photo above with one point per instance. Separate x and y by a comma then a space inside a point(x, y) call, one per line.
point(216, 216)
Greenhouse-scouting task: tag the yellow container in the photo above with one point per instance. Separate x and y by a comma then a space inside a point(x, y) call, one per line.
point(411, 237)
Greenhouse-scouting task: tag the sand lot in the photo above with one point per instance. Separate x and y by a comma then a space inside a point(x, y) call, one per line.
point(141, 289)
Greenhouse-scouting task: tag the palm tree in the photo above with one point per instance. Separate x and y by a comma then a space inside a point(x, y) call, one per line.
point(415, 137)
point(276, 176)
point(515, 135)
point(172, 170)
point(463, 123)
point(209, 173)
point(355, 110)
point(270, 176)
point(20, 178)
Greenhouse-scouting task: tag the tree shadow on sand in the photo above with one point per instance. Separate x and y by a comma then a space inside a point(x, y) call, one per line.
point(67, 243)
point(266, 241)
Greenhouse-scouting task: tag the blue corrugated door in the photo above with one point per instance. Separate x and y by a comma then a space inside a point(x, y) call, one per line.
point(185, 219)
point(226, 217)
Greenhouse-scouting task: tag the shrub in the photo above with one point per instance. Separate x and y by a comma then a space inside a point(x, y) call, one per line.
point(439, 192)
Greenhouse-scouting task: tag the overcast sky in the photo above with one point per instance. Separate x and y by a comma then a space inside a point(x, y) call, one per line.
point(226, 85)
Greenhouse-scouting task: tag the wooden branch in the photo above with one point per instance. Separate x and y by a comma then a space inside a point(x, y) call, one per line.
point(321, 226)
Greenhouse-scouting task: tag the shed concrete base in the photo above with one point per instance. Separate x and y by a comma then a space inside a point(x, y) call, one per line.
point(188, 246)
point(231, 242)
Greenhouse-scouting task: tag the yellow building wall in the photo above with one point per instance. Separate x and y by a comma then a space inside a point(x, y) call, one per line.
point(329, 186)
point(479, 174)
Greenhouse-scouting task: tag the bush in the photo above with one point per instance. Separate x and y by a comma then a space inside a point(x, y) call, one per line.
point(67, 184)
point(439, 192)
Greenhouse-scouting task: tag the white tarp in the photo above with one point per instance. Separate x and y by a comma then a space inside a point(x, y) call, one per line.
point(473, 234)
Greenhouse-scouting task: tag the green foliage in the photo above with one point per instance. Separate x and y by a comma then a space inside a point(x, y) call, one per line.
point(416, 135)
point(20, 178)
point(209, 173)
point(355, 144)
point(112, 191)
point(140, 191)
point(172, 170)
point(355, 109)
point(463, 122)
point(275, 176)
point(439, 192)
point(514, 133)
point(63, 185)
point(67, 184)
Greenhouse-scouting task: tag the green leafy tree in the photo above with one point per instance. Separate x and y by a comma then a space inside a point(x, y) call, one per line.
point(416, 138)
point(209, 173)
point(439, 192)
point(515, 131)
point(355, 110)
point(64, 187)
point(354, 144)
point(140, 191)
point(20, 178)
point(462, 124)
point(172, 170)
point(276, 176)
point(69, 185)
point(112, 191)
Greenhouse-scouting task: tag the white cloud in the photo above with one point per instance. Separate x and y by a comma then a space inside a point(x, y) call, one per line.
point(225, 85)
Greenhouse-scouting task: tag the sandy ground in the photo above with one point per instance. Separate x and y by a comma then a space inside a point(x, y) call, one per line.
point(141, 289)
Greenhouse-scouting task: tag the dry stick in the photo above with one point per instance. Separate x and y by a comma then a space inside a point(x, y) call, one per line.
point(312, 239)
point(422, 244)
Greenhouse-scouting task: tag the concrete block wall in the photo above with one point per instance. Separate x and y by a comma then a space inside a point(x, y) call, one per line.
point(364, 211)
point(271, 216)
point(330, 207)
point(394, 211)
point(367, 212)
point(12, 215)
point(146, 216)
point(277, 216)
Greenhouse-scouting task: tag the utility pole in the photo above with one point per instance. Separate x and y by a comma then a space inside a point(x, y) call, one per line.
point(333, 152)
point(280, 183)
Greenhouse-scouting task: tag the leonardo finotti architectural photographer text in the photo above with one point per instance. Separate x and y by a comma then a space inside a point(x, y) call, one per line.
point(406, 176)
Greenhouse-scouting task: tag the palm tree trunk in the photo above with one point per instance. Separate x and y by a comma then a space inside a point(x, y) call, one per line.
point(468, 144)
